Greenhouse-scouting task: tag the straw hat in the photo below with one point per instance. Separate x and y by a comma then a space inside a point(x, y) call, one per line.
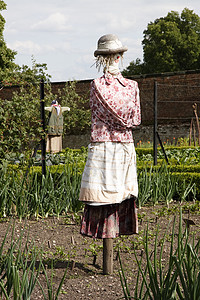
point(109, 44)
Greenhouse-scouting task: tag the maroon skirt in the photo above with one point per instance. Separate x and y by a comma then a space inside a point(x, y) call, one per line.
point(111, 220)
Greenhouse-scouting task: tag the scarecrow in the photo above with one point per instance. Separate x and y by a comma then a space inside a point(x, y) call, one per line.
point(109, 185)
point(55, 127)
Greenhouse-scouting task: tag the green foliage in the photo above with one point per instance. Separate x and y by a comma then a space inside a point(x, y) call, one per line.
point(177, 278)
point(135, 67)
point(32, 194)
point(25, 75)
point(170, 43)
point(20, 269)
point(20, 125)
point(20, 121)
point(183, 155)
point(7, 55)
point(159, 185)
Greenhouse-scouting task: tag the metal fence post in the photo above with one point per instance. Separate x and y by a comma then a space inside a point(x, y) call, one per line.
point(155, 124)
point(43, 144)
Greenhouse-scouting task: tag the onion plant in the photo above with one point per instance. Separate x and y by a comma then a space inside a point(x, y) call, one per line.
point(28, 194)
point(36, 195)
point(20, 267)
point(144, 186)
point(161, 186)
point(178, 278)
point(51, 294)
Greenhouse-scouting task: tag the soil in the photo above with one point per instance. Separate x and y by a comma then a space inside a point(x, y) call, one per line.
point(82, 256)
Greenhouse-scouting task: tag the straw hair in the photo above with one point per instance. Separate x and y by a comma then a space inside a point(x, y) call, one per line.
point(103, 61)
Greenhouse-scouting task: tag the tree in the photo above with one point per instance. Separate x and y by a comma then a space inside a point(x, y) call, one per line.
point(171, 43)
point(26, 75)
point(20, 123)
point(7, 55)
point(135, 67)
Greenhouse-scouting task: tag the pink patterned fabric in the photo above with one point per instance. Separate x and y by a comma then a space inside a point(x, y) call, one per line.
point(110, 221)
point(115, 108)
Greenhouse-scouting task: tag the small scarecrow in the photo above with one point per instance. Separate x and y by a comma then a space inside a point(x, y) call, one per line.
point(109, 185)
point(55, 127)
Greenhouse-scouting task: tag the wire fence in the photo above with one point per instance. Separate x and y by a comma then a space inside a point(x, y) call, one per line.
point(178, 103)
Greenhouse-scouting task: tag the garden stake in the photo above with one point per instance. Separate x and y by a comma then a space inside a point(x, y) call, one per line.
point(107, 256)
point(72, 240)
point(194, 133)
point(73, 265)
point(190, 135)
point(197, 120)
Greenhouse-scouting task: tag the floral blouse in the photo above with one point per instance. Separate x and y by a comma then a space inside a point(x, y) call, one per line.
point(115, 108)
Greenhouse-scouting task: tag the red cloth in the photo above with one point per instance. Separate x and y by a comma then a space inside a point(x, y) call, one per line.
point(110, 221)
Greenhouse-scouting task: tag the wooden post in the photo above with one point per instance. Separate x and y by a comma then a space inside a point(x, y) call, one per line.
point(190, 135)
point(107, 256)
point(197, 120)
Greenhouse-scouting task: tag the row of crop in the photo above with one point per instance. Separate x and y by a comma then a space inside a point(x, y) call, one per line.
point(176, 155)
point(21, 265)
point(162, 186)
point(175, 276)
point(80, 167)
point(32, 194)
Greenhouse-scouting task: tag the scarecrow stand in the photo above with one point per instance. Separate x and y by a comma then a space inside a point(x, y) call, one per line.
point(107, 256)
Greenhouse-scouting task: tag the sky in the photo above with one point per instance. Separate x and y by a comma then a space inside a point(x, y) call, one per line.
point(64, 33)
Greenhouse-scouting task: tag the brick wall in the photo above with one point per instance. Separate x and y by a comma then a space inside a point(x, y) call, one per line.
point(177, 92)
